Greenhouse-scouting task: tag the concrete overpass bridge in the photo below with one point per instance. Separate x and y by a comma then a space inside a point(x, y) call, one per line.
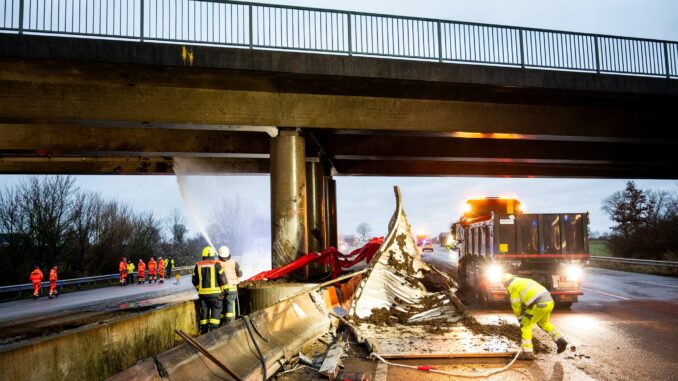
point(307, 94)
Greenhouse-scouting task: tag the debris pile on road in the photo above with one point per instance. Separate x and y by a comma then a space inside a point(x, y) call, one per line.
point(397, 315)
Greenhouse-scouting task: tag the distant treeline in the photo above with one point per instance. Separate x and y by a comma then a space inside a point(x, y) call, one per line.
point(47, 220)
point(646, 223)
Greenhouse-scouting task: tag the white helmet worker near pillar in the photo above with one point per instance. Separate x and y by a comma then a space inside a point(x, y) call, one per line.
point(233, 274)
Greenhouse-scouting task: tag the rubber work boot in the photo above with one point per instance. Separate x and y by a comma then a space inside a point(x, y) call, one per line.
point(526, 356)
point(562, 345)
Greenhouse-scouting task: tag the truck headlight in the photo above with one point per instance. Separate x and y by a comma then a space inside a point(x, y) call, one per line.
point(573, 273)
point(494, 273)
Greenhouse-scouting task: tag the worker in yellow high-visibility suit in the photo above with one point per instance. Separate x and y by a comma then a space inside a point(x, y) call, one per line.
point(532, 304)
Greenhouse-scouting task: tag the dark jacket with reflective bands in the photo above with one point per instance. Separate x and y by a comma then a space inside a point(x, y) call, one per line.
point(209, 277)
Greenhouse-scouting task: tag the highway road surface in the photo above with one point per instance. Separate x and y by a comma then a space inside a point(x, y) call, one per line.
point(625, 327)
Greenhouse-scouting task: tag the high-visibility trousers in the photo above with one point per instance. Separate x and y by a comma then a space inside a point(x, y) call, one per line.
point(230, 297)
point(36, 288)
point(52, 288)
point(538, 314)
point(210, 312)
point(123, 277)
point(162, 274)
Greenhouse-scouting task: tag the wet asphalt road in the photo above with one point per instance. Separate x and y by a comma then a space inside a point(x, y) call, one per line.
point(107, 298)
point(625, 327)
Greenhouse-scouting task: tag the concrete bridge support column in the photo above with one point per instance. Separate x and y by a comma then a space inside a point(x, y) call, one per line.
point(288, 199)
point(315, 196)
point(331, 212)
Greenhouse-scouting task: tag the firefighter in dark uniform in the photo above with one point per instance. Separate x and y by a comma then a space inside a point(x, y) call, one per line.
point(210, 281)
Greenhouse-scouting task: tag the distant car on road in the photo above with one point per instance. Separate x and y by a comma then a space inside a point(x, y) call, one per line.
point(427, 246)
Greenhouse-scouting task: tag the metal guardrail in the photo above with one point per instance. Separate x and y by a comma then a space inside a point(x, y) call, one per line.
point(76, 281)
point(646, 262)
point(265, 26)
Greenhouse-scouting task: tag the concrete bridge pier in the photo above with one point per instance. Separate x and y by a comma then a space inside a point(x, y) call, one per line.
point(289, 237)
point(317, 222)
point(331, 212)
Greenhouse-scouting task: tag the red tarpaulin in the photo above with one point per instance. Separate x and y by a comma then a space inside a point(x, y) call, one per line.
point(330, 256)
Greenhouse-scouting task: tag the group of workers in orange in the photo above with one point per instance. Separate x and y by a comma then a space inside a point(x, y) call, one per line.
point(36, 278)
point(157, 270)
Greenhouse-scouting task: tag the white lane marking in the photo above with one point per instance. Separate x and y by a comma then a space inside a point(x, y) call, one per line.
point(605, 293)
point(658, 284)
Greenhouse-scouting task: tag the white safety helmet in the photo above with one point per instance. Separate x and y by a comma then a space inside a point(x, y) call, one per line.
point(224, 253)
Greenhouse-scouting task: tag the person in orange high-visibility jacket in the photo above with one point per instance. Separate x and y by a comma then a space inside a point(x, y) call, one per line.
point(36, 279)
point(141, 268)
point(53, 282)
point(152, 266)
point(161, 270)
point(122, 269)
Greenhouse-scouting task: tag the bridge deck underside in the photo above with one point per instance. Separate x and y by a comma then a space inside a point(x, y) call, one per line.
point(115, 107)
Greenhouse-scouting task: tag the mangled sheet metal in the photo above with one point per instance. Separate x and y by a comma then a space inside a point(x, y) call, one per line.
point(395, 313)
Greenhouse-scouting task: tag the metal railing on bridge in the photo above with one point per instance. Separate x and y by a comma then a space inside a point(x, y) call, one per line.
point(264, 26)
point(79, 282)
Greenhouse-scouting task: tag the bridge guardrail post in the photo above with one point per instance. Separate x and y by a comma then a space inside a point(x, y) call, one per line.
point(251, 27)
point(350, 34)
point(141, 22)
point(597, 51)
point(666, 60)
point(21, 16)
point(440, 43)
point(522, 49)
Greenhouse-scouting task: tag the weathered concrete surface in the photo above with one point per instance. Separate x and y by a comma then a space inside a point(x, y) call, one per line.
point(279, 330)
point(97, 351)
point(289, 232)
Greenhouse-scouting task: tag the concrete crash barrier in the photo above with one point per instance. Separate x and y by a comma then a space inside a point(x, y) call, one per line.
point(97, 351)
point(279, 330)
point(644, 266)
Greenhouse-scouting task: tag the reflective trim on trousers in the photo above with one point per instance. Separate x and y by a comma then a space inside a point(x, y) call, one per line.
point(215, 321)
point(203, 321)
point(527, 345)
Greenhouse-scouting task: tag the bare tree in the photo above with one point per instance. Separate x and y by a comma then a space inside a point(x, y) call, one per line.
point(364, 232)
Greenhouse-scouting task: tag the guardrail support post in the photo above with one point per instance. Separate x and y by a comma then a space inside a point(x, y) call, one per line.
point(595, 41)
point(350, 34)
point(440, 42)
point(522, 49)
point(251, 27)
point(141, 22)
point(21, 16)
point(666, 60)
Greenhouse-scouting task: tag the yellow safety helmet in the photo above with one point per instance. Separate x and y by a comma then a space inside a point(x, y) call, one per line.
point(208, 251)
point(506, 278)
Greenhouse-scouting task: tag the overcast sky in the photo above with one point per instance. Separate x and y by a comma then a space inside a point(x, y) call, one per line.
point(431, 203)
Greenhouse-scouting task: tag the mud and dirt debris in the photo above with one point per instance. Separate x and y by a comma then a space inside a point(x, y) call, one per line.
point(503, 328)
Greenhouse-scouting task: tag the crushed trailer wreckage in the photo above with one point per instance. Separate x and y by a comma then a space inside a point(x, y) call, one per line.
point(398, 306)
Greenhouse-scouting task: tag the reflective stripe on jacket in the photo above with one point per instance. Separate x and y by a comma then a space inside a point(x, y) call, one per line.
point(523, 292)
point(209, 278)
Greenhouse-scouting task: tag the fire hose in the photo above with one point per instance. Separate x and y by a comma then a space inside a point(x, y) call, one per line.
point(430, 369)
